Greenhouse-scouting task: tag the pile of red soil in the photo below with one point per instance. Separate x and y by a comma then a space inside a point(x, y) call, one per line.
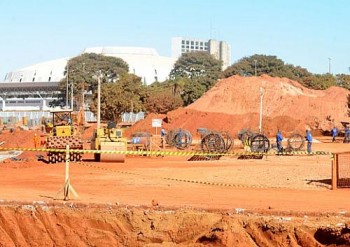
point(233, 104)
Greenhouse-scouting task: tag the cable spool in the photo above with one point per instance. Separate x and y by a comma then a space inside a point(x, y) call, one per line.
point(295, 142)
point(260, 144)
point(213, 143)
point(180, 138)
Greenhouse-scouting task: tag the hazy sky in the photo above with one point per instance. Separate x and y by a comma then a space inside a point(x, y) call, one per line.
point(300, 32)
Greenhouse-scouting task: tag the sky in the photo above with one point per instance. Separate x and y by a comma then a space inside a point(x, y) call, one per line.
point(313, 34)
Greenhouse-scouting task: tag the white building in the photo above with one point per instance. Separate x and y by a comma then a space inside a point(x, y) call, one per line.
point(221, 50)
point(35, 87)
point(143, 62)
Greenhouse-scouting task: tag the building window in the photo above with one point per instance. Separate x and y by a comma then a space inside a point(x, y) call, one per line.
point(192, 42)
point(182, 42)
point(187, 42)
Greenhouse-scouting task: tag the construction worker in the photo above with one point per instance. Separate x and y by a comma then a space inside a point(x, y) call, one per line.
point(279, 139)
point(334, 133)
point(36, 140)
point(309, 141)
point(347, 134)
point(162, 135)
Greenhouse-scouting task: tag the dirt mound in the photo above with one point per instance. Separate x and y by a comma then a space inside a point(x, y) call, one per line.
point(282, 97)
point(233, 104)
point(40, 224)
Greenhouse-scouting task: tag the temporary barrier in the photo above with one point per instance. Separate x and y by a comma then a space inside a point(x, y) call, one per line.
point(341, 170)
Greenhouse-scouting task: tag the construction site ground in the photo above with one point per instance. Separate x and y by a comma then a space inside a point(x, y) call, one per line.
point(168, 200)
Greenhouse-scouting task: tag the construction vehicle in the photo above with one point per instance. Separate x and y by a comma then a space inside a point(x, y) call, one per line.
point(62, 134)
point(109, 138)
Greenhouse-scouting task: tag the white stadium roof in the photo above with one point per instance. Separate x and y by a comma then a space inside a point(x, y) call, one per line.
point(144, 62)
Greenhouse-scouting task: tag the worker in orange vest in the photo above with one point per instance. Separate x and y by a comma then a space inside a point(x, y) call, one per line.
point(36, 140)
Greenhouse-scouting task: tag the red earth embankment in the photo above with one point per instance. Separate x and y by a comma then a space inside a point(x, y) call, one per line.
point(40, 224)
point(234, 104)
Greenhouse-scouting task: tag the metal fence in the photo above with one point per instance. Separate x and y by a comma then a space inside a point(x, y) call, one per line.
point(132, 117)
point(33, 118)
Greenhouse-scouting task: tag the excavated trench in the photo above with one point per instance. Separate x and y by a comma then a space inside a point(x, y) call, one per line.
point(69, 224)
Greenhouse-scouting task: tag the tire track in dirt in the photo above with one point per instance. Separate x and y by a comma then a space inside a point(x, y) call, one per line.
point(197, 182)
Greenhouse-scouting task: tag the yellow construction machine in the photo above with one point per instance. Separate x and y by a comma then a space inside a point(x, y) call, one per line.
point(62, 134)
point(109, 138)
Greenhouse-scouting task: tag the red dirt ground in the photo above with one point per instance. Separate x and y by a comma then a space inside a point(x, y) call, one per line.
point(169, 201)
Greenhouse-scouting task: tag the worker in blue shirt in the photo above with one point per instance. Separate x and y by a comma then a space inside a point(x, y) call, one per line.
point(162, 135)
point(309, 141)
point(279, 139)
point(347, 135)
point(334, 133)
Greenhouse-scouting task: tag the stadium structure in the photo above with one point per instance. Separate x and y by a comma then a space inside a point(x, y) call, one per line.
point(36, 87)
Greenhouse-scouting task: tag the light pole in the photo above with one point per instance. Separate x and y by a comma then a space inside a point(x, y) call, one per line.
point(67, 87)
point(260, 115)
point(255, 61)
point(329, 65)
point(71, 100)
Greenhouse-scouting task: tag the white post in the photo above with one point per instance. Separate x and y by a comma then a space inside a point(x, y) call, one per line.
point(68, 188)
point(67, 86)
point(66, 180)
point(260, 118)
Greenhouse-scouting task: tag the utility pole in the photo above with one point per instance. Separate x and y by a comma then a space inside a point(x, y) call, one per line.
point(72, 95)
point(67, 87)
point(260, 116)
point(329, 65)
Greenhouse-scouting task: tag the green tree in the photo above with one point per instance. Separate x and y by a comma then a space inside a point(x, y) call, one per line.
point(195, 68)
point(343, 80)
point(162, 101)
point(81, 69)
point(193, 90)
point(320, 82)
point(263, 64)
point(125, 95)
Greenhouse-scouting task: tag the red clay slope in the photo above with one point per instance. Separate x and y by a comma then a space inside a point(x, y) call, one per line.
point(233, 104)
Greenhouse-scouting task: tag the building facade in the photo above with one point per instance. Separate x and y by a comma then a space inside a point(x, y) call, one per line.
point(143, 62)
point(221, 50)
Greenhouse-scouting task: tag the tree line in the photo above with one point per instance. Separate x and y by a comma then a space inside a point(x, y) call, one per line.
point(193, 74)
